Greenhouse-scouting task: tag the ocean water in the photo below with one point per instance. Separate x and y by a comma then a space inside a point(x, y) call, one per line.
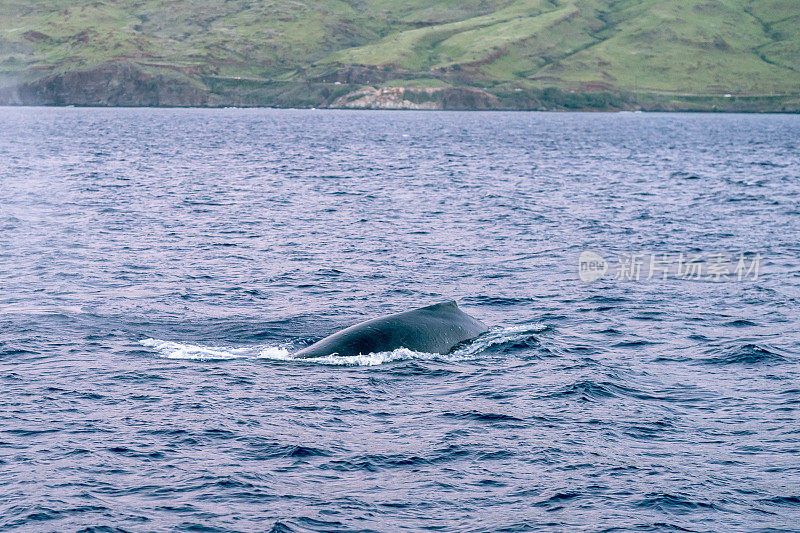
point(158, 267)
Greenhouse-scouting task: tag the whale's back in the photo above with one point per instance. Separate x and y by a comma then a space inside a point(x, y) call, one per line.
point(435, 329)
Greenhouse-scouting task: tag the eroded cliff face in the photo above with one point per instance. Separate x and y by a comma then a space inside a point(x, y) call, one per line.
point(113, 84)
point(417, 98)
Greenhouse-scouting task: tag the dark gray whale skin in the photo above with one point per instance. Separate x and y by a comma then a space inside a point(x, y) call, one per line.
point(433, 329)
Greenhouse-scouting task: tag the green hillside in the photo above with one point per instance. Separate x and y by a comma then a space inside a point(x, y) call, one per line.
point(723, 54)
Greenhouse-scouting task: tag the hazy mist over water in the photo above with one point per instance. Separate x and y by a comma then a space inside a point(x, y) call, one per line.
point(159, 266)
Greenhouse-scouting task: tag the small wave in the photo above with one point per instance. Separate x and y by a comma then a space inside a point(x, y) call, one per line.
point(792, 501)
point(747, 354)
point(556, 499)
point(498, 301)
point(510, 336)
point(673, 503)
point(685, 175)
point(588, 390)
point(479, 416)
point(740, 323)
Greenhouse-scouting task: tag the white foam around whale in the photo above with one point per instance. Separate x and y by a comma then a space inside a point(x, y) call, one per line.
point(177, 350)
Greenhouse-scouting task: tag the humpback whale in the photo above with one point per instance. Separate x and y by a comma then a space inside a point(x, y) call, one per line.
point(434, 329)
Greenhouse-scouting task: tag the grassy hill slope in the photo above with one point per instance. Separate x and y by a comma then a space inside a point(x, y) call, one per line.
point(379, 53)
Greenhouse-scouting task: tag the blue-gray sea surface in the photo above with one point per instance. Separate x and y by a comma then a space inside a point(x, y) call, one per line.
point(159, 266)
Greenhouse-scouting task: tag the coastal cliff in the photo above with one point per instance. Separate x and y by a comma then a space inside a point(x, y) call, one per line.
point(113, 84)
point(129, 84)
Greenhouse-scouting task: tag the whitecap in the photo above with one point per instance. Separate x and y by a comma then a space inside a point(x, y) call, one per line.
point(278, 353)
point(497, 336)
point(178, 350)
point(371, 359)
point(24, 309)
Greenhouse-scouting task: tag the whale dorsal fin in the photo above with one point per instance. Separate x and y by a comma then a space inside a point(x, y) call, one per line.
point(441, 305)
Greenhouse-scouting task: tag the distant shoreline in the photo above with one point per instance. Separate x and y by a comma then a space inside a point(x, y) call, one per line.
point(450, 110)
point(126, 85)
